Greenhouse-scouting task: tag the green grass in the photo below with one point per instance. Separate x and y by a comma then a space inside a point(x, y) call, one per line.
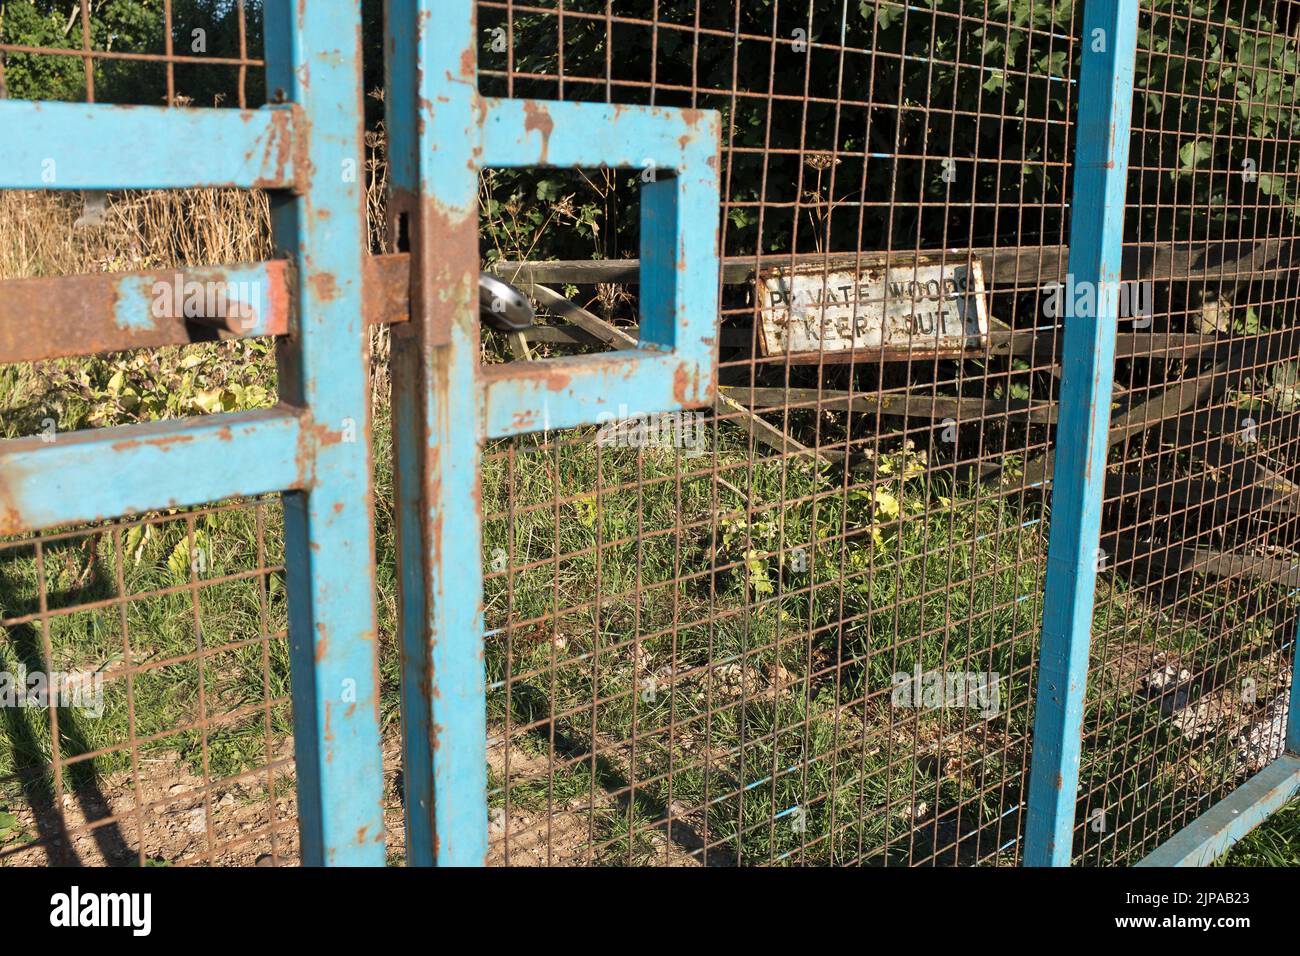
point(1275, 842)
point(632, 580)
point(869, 559)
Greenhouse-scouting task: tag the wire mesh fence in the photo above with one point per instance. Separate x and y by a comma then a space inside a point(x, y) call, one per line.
point(1195, 628)
point(714, 641)
point(147, 704)
point(800, 626)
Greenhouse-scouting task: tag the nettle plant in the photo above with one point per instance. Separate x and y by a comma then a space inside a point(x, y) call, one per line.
point(1215, 105)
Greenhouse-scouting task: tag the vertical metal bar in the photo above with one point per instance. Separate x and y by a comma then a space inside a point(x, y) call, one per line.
point(1109, 45)
point(1293, 705)
point(313, 57)
point(438, 429)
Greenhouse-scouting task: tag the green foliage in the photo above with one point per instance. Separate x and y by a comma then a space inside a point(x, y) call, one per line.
point(122, 388)
point(128, 26)
point(116, 25)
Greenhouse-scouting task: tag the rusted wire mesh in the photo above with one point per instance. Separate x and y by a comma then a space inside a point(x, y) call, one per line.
point(172, 52)
point(143, 665)
point(147, 714)
point(1194, 633)
point(711, 640)
point(801, 626)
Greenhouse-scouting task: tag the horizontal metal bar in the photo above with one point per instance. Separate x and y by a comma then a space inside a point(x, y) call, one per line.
point(82, 315)
point(64, 316)
point(566, 392)
point(56, 479)
point(105, 146)
point(519, 133)
point(1211, 834)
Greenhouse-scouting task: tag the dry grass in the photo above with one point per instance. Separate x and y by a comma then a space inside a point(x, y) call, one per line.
point(47, 233)
point(40, 234)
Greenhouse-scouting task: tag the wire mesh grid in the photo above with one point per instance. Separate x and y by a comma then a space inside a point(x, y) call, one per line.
point(800, 627)
point(145, 682)
point(1194, 634)
point(170, 51)
point(147, 711)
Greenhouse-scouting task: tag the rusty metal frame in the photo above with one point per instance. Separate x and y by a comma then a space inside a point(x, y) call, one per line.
point(321, 294)
point(445, 404)
point(314, 445)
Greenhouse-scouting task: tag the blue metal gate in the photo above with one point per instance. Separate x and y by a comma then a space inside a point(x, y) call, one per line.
point(323, 294)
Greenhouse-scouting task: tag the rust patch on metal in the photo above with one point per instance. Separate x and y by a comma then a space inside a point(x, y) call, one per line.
point(386, 288)
point(282, 146)
point(451, 296)
point(11, 518)
point(164, 442)
point(304, 457)
point(543, 373)
point(686, 384)
point(537, 117)
point(66, 316)
point(321, 435)
point(324, 286)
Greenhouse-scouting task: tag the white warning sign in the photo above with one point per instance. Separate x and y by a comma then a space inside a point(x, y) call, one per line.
point(923, 308)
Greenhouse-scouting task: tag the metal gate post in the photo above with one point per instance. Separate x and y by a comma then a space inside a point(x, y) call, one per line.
point(438, 430)
point(441, 133)
point(1102, 134)
point(313, 58)
point(1293, 704)
point(306, 149)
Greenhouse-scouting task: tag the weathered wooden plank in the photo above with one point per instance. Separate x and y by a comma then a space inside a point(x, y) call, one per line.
point(936, 407)
point(1223, 564)
point(1179, 397)
point(764, 431)
point(1256, 496)
point(1024, 266)
point(1037, 345)
point(591, 324)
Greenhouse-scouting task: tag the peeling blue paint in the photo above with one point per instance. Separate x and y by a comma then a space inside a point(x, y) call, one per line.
point(445, 405)
point(1087, 373)
point(105, 146)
